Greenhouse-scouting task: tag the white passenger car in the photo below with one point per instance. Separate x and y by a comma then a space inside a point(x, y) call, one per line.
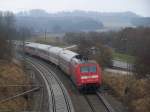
point(65, 59)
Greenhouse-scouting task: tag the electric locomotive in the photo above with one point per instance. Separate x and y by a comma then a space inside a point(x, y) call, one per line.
point(86, 74)
point(83, 72)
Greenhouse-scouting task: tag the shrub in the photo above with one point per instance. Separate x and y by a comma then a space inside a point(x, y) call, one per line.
point(133, 92)
point(139, 95)
point(117, 82)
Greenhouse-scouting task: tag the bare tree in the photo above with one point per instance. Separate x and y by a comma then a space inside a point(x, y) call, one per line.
point(91, 45)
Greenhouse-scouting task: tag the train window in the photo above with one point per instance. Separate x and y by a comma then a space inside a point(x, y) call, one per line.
point(92, 69)
point(84, 69)
point(88, 69)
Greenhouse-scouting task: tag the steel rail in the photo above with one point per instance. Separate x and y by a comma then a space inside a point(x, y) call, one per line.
point(106, 106)
point(50, 86)
point(50, 102)
point(89, 103)
point(105, 102)
point(64, 91)
point(51, 75)
point(60, 97)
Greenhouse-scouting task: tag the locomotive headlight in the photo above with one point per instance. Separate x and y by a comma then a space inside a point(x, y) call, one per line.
point(84, 77)
point(94, 76)
point(88, 77)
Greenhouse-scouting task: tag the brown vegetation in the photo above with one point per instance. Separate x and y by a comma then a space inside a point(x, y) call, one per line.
point(135, 93)
point(11, 74)
point(8, 33)
point(92, 45)
point(139, 94)
point(117, 82)
point(136, 42)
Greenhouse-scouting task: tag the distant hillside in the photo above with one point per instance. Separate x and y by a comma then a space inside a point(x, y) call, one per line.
point(59, 24)
point(41, 20)
point(120, 19)
point(145, 21)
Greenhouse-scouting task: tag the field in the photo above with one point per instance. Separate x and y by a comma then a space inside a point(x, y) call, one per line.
point(123, 57)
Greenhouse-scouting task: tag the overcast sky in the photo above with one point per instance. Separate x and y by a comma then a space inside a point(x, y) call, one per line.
point(141, 7)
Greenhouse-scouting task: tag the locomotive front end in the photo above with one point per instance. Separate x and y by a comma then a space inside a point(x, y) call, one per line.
point(89, 76)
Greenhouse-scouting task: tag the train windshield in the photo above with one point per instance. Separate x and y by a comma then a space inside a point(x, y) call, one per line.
point(86, 69)
point(92, 69)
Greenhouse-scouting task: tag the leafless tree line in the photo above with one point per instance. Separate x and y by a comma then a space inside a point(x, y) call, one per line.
point(92, 46)
point(9, 32)
point(135, 42)
point(131, 41)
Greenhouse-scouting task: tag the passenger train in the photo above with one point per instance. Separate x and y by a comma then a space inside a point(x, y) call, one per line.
point(84, 73)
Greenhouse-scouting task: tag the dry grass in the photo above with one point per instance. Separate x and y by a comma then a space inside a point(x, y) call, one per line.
point(17, 104)
point(133, 92)
point(116, 82)
point(139, 96)
point(140, 105)
point(11, 74)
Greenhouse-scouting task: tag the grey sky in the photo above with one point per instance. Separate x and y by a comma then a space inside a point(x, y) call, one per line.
point(141, 7)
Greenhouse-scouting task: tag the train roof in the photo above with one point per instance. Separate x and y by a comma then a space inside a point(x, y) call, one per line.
point(55, 50)
point(39, 46)
point(65, 54)
point(68, 55)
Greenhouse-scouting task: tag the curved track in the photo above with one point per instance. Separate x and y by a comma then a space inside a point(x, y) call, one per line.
point(57, 98)
point(96, 102)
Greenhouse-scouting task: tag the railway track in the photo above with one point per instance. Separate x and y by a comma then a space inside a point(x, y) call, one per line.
point(107, 105)
point(57, 98)
point(98, 103)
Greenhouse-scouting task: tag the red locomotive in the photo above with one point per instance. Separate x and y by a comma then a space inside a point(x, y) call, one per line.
point(84, 73)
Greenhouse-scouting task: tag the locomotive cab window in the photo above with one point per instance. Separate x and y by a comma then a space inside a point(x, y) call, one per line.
point(92, 69)
point(86, 69)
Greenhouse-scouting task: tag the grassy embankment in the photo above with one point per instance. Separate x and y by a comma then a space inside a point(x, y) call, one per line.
point(12, 74)
point(135, 93)
point(123, 57)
